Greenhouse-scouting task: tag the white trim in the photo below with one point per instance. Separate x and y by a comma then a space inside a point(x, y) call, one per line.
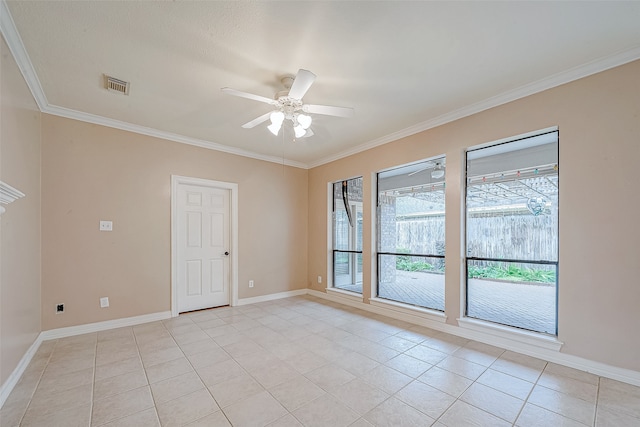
point(12, 37)
point(373, 232)
point(572, 74)
point(337, 296)
point(329, 240)
point(514, 138)
point(19, 52)
point(8, 194)
point(233, 188)
point(10, 383)
point(13, 379)
point(348, 295)
point(348, 298)
point(271, 297)
point(597, 368)
point(500, 332)
point(531, 348)
point(602, 369)
point(143, 130)
point(434, 315)
point(103, 326)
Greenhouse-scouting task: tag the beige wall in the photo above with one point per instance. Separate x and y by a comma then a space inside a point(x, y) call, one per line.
point(20, 224)
point(599, 122)
point(92, 173)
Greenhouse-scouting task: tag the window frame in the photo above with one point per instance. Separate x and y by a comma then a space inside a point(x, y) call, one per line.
point(466, 258)
point(353, 254)
point(379, 254)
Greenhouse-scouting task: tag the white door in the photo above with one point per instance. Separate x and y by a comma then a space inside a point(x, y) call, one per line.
point(202, 247)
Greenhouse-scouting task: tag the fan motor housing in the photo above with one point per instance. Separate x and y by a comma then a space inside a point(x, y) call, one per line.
point(289, 106)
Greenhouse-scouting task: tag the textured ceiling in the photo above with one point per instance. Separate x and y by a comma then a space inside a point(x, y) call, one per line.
point(398, 64)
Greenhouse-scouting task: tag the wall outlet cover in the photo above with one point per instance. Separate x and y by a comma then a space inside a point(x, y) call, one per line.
point(104, 302)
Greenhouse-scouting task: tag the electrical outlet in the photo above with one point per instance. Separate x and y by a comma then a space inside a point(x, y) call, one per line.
point(251, 283)
point(106, 226)
point(104, 302)
point(59, 308)
point(319, 279)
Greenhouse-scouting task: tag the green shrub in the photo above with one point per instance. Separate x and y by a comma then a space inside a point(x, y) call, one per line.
point(406, 263)
point(511, 272)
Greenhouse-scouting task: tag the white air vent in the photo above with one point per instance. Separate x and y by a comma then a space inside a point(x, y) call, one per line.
point(116, 85)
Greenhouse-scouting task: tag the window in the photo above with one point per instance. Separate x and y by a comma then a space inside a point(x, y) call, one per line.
point(512, 233)
point(347, 235)
point(411, 234)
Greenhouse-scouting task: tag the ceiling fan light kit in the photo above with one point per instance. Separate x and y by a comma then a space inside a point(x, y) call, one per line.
point(299, 131)
point(304, 121)
point(288, 105)
point(438, 171)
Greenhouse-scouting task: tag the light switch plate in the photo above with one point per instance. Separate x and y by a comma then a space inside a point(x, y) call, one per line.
point(106, 225)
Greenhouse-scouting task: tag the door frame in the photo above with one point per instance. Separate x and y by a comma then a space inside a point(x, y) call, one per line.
point(177, 180)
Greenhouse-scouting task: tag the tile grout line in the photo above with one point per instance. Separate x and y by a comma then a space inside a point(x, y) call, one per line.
point(526, 400)
point(38, 382)
point(135, 339)
point(321, 316)
point(196, 372)
point(595, 412)
point(93, 379)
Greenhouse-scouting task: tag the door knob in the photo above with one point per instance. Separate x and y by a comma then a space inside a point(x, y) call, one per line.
point(226, 253)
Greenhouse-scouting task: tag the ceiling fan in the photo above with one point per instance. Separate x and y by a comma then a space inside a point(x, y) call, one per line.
point(288, 105)
point(437, 170)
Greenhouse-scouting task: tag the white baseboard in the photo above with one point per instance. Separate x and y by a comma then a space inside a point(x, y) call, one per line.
point(13, 379)
point(271, 297)
point(525, 347)
point(10, 383)
point(429, 321)
point(596, 368)
point(103, 326)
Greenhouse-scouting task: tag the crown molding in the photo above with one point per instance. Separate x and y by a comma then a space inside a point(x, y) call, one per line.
point(130, 127)
point(12, 37)
point(575, 73)
point(19, 52)
point(8, 194)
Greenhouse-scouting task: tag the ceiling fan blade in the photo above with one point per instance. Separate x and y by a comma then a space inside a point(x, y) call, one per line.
point(419, 170)
point(426, 166)
point(301, 84)
point(309, 133)
point(328, 110)
point(234, 92)
point(255, 122)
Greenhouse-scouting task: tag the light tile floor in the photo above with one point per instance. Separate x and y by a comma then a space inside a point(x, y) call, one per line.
point(302, 361)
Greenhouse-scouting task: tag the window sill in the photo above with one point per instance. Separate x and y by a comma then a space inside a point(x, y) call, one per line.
point(433, 315)
point(505, 332)
point(353, 296)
